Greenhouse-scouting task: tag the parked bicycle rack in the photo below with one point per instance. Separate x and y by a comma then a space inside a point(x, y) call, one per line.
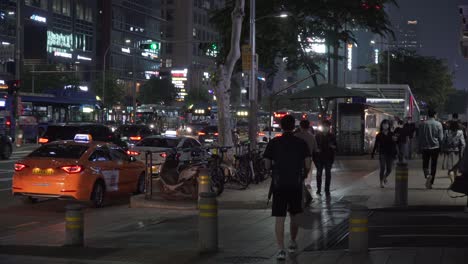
point(149, 167)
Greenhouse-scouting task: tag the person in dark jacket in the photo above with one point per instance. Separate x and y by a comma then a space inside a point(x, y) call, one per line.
point(385, 142)
point(325, 156)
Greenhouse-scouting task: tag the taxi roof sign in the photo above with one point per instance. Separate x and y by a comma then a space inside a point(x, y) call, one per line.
point(83, 138)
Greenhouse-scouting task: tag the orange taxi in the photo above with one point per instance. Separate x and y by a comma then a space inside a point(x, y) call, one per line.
point(78, 169)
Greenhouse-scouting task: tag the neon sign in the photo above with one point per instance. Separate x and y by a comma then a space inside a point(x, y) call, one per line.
point(38, 18)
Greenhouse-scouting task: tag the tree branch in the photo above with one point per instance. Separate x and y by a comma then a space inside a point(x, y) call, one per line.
point(237, 16)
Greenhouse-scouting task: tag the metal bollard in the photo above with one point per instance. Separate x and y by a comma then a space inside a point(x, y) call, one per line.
point(74, 225)
point(208, 223)
point(204, 181)
point(401, 184)
point(358, 229)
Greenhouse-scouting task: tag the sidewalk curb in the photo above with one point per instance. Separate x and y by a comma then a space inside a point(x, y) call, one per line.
point(139, 201)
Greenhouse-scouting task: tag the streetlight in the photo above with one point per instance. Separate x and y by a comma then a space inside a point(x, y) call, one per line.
point(104, 76)
point(253, 127)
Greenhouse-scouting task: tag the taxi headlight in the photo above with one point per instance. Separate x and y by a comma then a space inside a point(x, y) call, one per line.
point(189, 130)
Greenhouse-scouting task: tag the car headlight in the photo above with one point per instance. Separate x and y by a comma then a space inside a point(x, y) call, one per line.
point(189, 130)
point(320, 128)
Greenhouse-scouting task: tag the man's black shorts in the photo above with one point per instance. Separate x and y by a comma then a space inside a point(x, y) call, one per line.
point(286, 201)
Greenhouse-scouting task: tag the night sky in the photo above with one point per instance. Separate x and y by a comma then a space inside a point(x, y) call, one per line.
point(440, 26)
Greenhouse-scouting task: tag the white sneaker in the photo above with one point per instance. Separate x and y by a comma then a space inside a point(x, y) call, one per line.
point(292, 247)
point(281, 255)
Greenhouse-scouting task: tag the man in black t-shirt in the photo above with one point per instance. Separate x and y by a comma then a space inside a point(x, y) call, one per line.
point(290, 159)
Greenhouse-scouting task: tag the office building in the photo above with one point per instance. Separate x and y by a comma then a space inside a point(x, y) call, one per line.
point(130, 41)
point(186, 28)
point(56, 32)
point(464, 30)
point(7, 37)
point(407, 35)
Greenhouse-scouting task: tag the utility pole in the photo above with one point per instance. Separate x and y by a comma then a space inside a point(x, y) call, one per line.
point(134, 85)
point(18, 64)
point(253, 82)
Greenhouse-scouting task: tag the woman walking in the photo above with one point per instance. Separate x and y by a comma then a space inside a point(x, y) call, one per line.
point(454, 145)
point(385, 142)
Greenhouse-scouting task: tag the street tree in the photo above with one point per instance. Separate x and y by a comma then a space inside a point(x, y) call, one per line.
point(47, 77)
point(157, 91)
point(429, 78)
point(225, 68)
point(198, 96)
point(309, 22)
point(114, 92)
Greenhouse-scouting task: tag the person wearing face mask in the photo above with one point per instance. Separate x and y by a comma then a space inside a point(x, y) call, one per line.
point(325, 156)
point(385, 142)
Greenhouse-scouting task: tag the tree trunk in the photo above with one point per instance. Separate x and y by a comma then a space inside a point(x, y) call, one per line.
point(224, 74)
point(336, 50)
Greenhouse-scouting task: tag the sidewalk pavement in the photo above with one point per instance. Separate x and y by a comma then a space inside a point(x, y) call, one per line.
point(147, 235)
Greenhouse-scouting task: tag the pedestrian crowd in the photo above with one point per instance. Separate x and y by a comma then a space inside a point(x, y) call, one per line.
point(292, 156)
point(395, 142)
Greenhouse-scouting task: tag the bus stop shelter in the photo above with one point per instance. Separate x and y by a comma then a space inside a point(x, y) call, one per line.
point(394, 99)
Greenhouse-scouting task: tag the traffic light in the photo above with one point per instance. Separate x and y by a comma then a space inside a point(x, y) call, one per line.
point(13, 86)
point(150, 46)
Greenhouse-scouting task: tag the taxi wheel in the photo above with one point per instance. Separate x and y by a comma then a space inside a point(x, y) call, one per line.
point(30, 200)
point(97, 196)
point(141, 184)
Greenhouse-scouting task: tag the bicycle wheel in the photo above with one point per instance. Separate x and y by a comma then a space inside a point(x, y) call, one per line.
point(244, 174)
point(217, 180)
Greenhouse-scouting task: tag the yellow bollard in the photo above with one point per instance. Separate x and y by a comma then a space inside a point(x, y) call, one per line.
point(401, 184)
point(74, 225)
point(358, 230)
point(208, 223)
point(204, 181)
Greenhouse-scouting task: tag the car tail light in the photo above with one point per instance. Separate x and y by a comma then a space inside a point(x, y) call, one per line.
point(71, 169)
point(261, 134)
point(163, 155)
point(43, 140)
point(279, 135)
point(19, 166)
point(133, 153)
point(135, 138)
point(216, 134)
point(201, 133)
point(8, 122)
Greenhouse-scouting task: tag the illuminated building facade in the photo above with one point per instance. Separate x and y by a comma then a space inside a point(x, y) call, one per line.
point(187, 26)
point(130, 40)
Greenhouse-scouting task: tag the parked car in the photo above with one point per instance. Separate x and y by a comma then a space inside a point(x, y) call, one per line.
point(208, 135)
point(132, 133)
point(161, 145)
point(98, 132)
point(269, 133)
point(78, 169)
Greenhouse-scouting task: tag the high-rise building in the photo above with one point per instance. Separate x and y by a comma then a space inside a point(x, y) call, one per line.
point(56, 32)
point(464, 30)
point(407, 35)
point(130, 40)
point(186, 28)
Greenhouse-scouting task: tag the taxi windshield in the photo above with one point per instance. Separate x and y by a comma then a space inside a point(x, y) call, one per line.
point(64, 151)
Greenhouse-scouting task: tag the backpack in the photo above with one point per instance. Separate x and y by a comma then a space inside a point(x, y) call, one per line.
point(451, 140)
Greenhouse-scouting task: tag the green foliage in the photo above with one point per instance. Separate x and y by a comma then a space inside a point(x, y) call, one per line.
point(198, 96)
point(45, 81)
point(157, 91)
point(331, 20)
point(429, 78)
point(114, 92)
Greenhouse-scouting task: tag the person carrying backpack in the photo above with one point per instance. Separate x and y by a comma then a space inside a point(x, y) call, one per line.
point(454, 145)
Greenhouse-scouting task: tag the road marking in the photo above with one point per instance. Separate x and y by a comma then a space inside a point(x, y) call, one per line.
point(23, 225)
point(5, 179)
point(424, 235)
point(4, 190)
point(400, 226)
point(6, 171)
